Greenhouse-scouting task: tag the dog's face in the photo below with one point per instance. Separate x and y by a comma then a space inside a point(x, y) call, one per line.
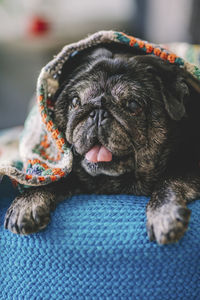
point(117, 112)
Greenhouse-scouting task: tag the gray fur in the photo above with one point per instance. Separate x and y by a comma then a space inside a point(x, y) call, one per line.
point(150, 129)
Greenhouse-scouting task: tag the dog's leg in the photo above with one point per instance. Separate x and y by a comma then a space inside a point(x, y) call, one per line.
point(167, 214)
point(30, 212)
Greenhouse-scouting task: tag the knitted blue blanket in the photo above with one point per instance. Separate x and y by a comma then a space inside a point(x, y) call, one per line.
point(96, 247)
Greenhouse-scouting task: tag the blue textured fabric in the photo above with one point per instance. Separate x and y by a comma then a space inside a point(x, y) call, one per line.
point(96, 247)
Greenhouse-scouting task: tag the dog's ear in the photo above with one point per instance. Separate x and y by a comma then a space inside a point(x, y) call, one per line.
point(174, 96)
point(172, 84)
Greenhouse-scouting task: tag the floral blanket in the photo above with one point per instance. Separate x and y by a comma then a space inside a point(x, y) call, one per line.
point(45, 155)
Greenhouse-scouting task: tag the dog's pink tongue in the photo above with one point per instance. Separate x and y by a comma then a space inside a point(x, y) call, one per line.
point(98, 153)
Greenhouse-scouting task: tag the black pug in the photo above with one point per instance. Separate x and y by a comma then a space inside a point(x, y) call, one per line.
point(133, 124)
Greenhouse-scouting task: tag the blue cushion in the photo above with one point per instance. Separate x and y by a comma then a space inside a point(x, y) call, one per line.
point(96, 247)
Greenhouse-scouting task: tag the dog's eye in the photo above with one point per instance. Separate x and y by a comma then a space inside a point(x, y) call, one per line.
point(134, 106)
point(75, 102)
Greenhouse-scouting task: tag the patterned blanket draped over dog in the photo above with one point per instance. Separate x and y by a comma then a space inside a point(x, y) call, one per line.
point(44, 155)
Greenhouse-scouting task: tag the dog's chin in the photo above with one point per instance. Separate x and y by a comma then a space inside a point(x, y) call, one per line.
point(116, 167)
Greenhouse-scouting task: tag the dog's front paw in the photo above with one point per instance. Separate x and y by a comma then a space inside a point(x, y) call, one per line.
point(168, 223)
point(28, 214)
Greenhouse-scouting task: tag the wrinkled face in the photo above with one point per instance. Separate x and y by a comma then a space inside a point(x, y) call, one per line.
point(105, 111)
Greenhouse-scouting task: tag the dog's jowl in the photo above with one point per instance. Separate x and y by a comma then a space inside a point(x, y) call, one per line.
point(133, 125)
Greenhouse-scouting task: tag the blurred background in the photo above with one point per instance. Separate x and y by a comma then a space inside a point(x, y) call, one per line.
point(32, 31)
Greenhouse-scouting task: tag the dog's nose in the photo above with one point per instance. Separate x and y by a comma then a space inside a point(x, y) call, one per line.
point(99, 116)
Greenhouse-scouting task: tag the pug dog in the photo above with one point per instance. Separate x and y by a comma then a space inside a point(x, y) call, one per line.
point(133, 123)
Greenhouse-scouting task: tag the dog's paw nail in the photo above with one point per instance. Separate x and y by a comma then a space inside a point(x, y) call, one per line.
point(184, 213)
point(14, 228)
point(150, 232)
point(7, 218)
point(25, 228)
